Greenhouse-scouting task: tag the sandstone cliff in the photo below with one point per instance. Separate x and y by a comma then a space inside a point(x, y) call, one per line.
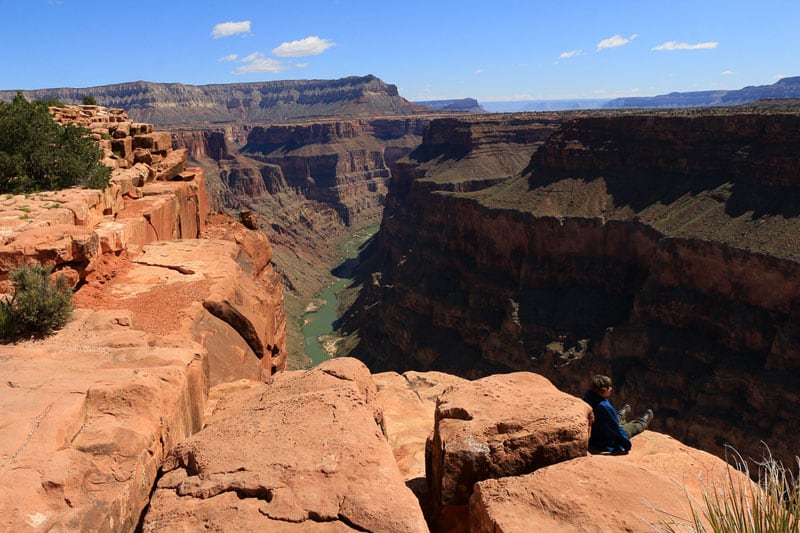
point(658, 248)
point(162, 314)
point(176, 103)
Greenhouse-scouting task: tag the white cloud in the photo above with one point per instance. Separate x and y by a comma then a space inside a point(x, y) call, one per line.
point(301, 65)
point(256, 62)
point(310, 46)
point(478, 72)
point(675, 45)
point(252, 57)
point(226, 29)
point(728, 72)
point(229, 57)
point(571, 53)
point(614, 41)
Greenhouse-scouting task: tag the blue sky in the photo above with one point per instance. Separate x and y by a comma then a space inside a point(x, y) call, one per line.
point(498, 50)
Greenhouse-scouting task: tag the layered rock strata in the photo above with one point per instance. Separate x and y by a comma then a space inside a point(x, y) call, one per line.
point(654, 247)
point(177, 103)
point(70, 229)
point(341, 164)
point(307, 183)
point(90, 413)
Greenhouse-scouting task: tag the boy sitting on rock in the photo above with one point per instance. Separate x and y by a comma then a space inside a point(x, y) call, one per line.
point(610, 432)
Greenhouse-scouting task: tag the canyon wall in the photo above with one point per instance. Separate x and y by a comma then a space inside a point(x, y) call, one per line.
point(658, 248)
point(306, 182)
point(177, 103)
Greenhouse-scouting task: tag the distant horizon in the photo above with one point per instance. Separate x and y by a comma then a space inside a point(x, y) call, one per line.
point(490, 105)
point(503, 51)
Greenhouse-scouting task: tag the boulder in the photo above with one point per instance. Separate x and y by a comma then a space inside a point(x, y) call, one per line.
point(154, 141)
point(502, 425)
point(315, 459)
point(643, 491)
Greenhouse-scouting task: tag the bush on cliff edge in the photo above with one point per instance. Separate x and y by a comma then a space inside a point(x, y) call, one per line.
point(38, 154)
point(37, 306)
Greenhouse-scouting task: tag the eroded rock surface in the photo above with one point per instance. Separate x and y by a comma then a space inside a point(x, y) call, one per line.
point(500, 426)
point(176, 103)
point(303, 453)
point(89, 413)
point(652, 485)
point(88, 416)
point(656, 484)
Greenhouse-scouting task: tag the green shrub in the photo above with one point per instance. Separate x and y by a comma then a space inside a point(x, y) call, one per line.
point(772, 505)
point(36, 153)
point(37, 306)
point(89, 100)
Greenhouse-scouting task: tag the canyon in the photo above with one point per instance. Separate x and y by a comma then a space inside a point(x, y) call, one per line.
point(517, 255)
point(656, 247)
point(308, 185)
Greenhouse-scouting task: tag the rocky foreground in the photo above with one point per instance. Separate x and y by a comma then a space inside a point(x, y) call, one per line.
point(164, 405)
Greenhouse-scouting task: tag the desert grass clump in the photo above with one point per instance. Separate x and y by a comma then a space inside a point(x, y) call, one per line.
point(770, 505)
point(37, 305)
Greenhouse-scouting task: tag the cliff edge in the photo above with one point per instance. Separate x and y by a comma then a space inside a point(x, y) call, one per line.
point(162, 313)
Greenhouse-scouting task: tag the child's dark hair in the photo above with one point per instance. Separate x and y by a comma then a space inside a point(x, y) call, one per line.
point(600, 382)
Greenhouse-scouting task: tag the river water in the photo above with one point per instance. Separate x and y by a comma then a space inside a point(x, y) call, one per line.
point(320, 323)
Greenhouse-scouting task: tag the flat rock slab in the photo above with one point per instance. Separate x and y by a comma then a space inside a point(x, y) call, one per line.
point(303, 453)
point(87, 417)
point(205, 290)
point(502, 425)
point(602, 493)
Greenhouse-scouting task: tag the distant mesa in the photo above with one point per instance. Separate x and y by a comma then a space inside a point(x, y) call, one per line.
point(468, 105)
point(273, 101)
point(782, 89)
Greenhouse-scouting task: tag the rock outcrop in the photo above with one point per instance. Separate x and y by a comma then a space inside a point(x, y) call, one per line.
point(480, 434)
point(315, 459)
point(655, 486)
point(152, 196)
point(493, 420)
point(91, 412)
point(176, 103)
point(656, 248)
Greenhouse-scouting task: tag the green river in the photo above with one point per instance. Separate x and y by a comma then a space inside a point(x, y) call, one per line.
point(320, 323)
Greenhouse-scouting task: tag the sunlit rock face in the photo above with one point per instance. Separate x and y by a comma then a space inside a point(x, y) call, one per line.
point(275, 101)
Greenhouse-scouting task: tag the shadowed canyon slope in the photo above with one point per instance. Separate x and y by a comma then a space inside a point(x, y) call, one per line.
point(660, 248)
